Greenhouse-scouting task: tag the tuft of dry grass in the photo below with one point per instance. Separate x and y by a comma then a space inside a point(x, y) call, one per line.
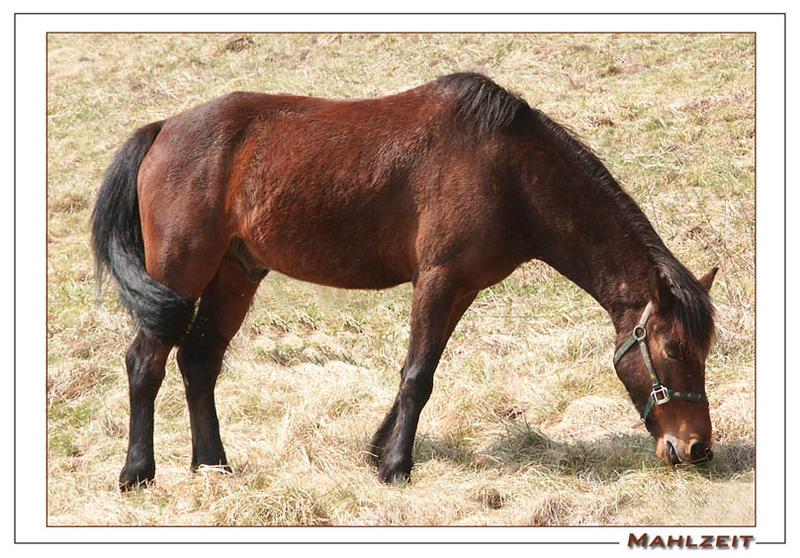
point(528, 424)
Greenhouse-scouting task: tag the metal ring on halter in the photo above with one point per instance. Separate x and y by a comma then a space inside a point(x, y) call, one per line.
point(660, 393)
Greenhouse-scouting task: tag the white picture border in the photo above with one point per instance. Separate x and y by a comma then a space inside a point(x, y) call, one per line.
point(30, 270)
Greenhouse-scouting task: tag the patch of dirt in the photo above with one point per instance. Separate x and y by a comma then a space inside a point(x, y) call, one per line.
point(239, 43)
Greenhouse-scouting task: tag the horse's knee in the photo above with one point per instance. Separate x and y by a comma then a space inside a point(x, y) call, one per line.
point(417, 384)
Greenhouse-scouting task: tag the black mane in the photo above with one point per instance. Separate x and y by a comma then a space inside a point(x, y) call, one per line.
point(694, 310)
point(482, 102)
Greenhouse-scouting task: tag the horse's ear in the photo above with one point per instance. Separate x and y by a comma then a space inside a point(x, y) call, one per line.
point(708, 279)
point(660, 291)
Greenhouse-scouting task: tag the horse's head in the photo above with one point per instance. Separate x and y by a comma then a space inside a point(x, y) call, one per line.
point(661, 358)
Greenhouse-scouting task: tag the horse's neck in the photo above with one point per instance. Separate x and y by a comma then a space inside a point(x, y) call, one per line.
point(591, 241)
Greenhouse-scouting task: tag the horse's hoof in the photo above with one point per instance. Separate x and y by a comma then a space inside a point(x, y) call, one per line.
point(395, 472)
point(210, 459)
point(133, 477)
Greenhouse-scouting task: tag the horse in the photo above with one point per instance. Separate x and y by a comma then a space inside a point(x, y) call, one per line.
point(450, 185)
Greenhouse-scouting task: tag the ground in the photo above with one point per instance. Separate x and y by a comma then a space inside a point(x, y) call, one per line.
point(528, 424)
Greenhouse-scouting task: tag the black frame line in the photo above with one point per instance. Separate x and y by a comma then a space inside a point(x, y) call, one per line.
point(505, 543)
point(14, 279)
point(338, 543)
point(400, 13)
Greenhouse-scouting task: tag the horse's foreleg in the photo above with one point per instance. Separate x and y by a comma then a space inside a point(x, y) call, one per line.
point(223, 306)
point(145, 361)
point(439, 302)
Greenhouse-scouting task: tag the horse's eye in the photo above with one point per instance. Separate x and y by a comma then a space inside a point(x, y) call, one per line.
point(673, 350)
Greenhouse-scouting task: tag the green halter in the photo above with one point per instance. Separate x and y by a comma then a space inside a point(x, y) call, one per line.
point(660, 394)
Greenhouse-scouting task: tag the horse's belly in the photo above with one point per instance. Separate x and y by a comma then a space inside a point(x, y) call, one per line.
point(357, 237)
point(342, 256)
point(335, 268)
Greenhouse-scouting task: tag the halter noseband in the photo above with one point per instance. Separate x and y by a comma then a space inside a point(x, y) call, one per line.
point(660, 393)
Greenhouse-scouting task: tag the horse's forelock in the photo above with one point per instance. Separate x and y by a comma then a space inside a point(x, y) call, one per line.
point(692, 313)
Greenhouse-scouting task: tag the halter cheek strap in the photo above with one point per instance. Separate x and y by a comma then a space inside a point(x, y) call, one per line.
point(660, 393)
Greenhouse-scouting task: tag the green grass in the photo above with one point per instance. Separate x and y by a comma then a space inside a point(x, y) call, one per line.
point(528, 425)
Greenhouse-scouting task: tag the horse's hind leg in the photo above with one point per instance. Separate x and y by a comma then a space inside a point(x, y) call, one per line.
point(223, 306)
point(145, 362)
point(438, 304)
point(186, 270)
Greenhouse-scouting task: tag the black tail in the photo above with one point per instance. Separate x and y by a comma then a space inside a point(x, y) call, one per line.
point(118, 245)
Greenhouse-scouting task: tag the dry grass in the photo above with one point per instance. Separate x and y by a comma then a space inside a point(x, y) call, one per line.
point(528, 424)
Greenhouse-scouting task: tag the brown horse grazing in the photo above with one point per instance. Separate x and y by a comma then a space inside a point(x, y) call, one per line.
point(450, 185)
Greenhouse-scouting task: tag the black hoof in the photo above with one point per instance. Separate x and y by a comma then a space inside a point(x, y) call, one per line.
point(136, 476)
point(395, 472)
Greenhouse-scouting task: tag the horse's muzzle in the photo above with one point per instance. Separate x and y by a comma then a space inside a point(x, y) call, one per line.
point(700, 453)
point(675, 452)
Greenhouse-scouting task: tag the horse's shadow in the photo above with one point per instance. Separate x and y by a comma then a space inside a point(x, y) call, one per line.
point(520, 446)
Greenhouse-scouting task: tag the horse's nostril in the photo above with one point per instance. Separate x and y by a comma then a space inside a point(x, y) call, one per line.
point(673, 455)
point(699, 452)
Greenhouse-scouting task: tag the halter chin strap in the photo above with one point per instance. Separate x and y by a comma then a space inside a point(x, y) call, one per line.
point(660, 393)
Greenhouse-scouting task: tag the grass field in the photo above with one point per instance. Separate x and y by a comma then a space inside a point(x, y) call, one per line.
point(528, 424)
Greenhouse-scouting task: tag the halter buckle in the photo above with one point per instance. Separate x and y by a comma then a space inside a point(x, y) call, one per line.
point(639, 333)
point(660, 394)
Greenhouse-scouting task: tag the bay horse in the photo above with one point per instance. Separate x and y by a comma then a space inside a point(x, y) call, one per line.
point(450, 185)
